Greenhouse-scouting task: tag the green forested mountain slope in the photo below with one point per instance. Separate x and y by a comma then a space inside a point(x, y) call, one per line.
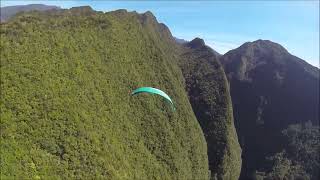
point(66, 109)
point(211, 102)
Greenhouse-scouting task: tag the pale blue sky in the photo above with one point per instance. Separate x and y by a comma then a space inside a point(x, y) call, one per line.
point(227, 25)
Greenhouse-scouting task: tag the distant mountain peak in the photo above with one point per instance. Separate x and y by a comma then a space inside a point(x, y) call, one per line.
point(196, 43)
point(263, 53)
point(148, 17)
point(263, 47)
point(180, 41)
point(33, 5)
point(120, 11)
point(82, 10)
point(257, 53)
point(270, 44)
point(149, 13)
point(9, 11)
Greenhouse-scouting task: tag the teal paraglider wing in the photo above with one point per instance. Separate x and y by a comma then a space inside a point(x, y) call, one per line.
point(152, 90)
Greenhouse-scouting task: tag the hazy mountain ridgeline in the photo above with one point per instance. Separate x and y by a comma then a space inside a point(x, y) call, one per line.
point(180, 41)
point(272, 89)
point(209, 96)
point(8, 12)
point(66, 109)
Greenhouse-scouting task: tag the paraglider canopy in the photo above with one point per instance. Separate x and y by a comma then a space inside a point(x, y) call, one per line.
point(152, 90)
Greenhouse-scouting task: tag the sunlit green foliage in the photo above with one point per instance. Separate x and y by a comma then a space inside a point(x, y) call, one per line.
point(66, 109)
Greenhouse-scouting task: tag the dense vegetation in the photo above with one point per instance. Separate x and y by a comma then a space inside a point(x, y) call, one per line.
point(210, 99)
point(271, 90)
point(66, 109)
point(299, 159)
